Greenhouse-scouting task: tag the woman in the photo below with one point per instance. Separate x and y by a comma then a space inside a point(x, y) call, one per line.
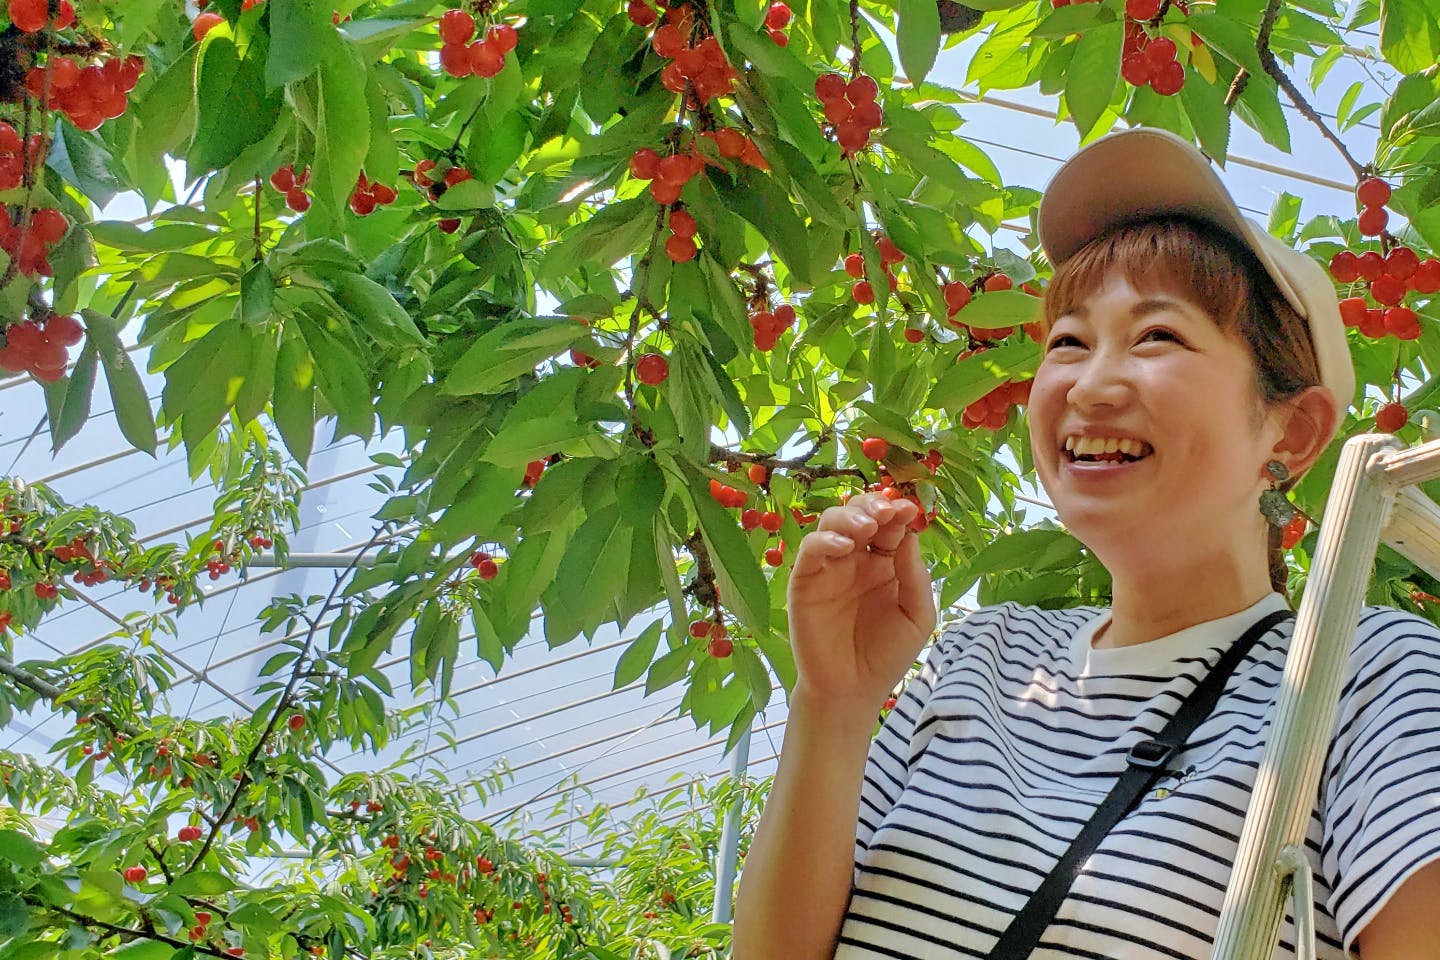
point(1219, 358)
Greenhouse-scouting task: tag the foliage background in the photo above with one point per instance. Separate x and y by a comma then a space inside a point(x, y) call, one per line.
point(343, 293)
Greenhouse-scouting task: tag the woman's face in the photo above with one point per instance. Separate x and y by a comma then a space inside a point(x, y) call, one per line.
point(1153, 369)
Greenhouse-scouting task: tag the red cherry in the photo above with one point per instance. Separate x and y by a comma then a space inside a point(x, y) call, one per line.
point(774, 556)
point(135, 874)
point(1373, 192)
point(720, 649)
point(1294, 530)
point(503, 36)
point(1168, 79)
point(297, 200)
point(1373, 221)
point(283, 179)
point(668, 41)
point(1391, 417)
point(449, 225)
point(29, 16)
point(455, 59)
point(998, 282)
point(1388, 290)
point(652, 369)
point(49, 225)
point(778, 16)
point(456, 27)
point(488, 569)
point(296, 722)
point(855, 265)
point(862, 292)
point(1136, 70)
point(1371, 265)
point(1352, 311)
point(680, 249)
point(829, 86)
point(1427, 277)
point(698, 629)
point(641, 13)
point(1159, 52)
point(1402, 263)
point(65, 19)
point(1345, 267)
point(486, 59)
point(1402, 322)
point(890, 703)
point(188, 834)
point(682, 224)
point(875, 448)
point(862, 89)
point(889, 253)
point(914, 334)
point(1142, 9)
point(204, 23)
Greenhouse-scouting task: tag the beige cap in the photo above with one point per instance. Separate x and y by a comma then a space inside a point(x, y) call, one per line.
point(1133, 174)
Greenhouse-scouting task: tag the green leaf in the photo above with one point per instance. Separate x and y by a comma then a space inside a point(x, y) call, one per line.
point(1000, 308)
point(918, 37)
point(127, 391)
point(81, 159)
point(235, 109)
point(17, 848)
point(341, 378)
point(590, 576)
point(1065, 21)
point(257, 294)
point(76, 409)
point(757, 678)
point(253, 918)
point(294, 403)
point(202, 884)
point(507, 351)
point(1205, 106)
point(342, 130)
point(301, 34)
point(757, 198)
point(637, 656)
point(521, 440)
point(669, 669)
point(1410, 34)
point(14, 915)
point(1093, 74)
point(375, 310)
point(618, 229)
point(1230, 37)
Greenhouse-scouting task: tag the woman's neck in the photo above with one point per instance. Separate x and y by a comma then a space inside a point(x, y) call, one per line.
point(1162, 602)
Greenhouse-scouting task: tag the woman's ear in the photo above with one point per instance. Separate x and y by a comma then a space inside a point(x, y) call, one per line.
point(1307, 422)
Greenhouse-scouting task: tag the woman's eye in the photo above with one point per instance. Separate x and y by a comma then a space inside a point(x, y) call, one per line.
point(1161, 331)
point(1061, 340)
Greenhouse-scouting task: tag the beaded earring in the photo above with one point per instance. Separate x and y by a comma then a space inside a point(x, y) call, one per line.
point(1278, 510)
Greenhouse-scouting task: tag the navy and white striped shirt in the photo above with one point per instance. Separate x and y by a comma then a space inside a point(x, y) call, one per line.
point(1002, 747)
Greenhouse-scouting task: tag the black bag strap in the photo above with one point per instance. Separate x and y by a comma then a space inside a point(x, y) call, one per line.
point(1147, 761)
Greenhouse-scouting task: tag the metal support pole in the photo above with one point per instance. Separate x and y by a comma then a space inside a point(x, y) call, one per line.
point(727, 859)
point(336, 561)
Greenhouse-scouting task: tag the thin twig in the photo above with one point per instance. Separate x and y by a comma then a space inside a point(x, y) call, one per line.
point(1272, 67)
point(1262, 44)
point(137, 934)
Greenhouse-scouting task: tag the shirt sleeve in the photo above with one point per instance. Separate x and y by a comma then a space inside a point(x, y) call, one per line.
point(887, 766)
point(1381, 794)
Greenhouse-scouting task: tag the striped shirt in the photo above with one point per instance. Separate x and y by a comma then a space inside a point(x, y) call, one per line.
point(1003, 746)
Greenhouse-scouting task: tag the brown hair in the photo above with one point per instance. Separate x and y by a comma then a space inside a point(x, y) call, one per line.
point(1207, 266)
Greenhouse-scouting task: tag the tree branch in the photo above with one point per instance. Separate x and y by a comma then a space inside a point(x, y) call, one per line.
point(1272, 67)
point(282, 704)
point(1262, 46)
point(135, 934)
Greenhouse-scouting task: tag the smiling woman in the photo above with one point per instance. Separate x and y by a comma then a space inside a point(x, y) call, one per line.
point(1191, 365)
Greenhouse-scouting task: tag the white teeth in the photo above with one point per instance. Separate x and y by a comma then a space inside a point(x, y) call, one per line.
point(1089, 446)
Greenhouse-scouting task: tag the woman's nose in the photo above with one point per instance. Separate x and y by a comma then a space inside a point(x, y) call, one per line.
point(1100, 381)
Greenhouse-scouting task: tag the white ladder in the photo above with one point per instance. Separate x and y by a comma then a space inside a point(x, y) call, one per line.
point(1373, 500)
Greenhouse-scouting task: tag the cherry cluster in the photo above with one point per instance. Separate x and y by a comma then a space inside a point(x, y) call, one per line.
point(735, 145)
point(1293, 531)
point(1389, 278)
point(777, 18)
point(434, 189)
point(32, 16)
point(370, 194)
point(700, 71)
point(667, 175)
point(17, 154)
point(861, 291)
point(40, 350)
point(721, 646)
point(851, 108)
point(1151, 61)
point(768, 326)
point(652, 369)
point(680, 245)
point(484, 565)
point(218, 565)
point(31, 246)
point(727, 496)
point(993, 410)
point(293, 186)
point(958, 295)
point(483, 58)
point(88, 95)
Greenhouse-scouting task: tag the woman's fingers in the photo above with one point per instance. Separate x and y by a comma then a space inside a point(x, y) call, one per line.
point(819, 548)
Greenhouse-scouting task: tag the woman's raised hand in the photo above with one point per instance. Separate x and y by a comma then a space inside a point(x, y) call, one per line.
point(859, 618)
